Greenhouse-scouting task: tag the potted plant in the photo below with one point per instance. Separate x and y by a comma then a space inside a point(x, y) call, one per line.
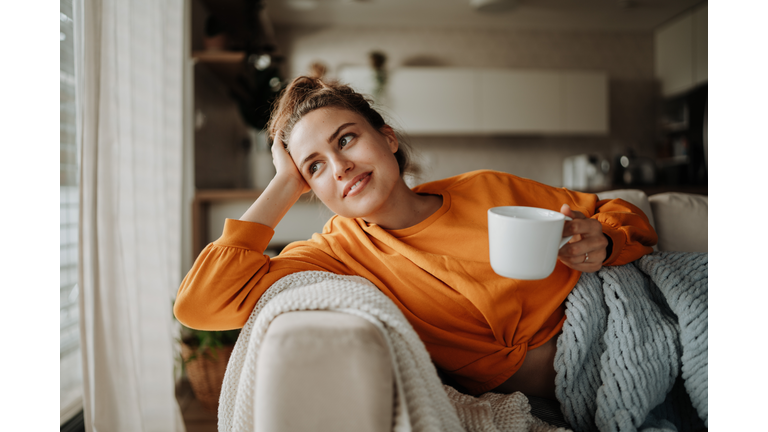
point(204, 359)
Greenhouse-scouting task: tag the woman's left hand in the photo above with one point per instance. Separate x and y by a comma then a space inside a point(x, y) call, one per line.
point(586, 251)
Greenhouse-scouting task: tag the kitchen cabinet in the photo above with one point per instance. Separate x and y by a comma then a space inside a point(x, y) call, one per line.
point(553, 102)
point(681, 52)
point(520, 101)
point(429, 103)
point(417, 101)
point(440, 101)
point(700, 45)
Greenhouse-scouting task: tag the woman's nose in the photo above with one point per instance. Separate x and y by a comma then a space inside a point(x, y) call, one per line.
point(341, 166)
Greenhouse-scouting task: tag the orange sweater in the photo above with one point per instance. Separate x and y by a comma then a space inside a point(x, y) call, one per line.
point(476, 325)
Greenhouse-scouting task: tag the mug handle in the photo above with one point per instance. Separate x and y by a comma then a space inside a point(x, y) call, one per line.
point(565, 239)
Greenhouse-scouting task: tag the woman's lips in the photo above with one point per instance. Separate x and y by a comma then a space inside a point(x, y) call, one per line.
point(363, 179)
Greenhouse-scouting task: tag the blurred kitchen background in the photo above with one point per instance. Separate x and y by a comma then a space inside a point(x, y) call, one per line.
point(591, 95)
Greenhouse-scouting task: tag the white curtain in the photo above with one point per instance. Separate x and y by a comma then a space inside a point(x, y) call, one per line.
point(129, 80)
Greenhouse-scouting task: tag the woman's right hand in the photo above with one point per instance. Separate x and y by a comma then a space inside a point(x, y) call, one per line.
point(287, 173)
point(281, 193)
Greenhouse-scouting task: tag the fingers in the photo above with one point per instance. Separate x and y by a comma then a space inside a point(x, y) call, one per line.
point(279, 152)
point(282, 159)
point(584, 227)
point(586, 263)
point(285, 167)
point(594, 246)
point(586, 255)
point(573, 214)
point(586, 250)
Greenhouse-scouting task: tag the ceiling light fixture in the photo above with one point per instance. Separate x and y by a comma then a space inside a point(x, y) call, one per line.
point(493, 5)
point(302, 5)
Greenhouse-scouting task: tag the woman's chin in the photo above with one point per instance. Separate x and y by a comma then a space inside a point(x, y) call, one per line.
point(356, 207)
point(348, 213)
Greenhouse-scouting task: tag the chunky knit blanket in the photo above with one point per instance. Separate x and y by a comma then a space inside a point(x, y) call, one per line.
point(633, 352)
point(422, 402)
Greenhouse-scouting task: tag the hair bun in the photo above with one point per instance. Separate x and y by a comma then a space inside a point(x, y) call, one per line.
point(304, 84)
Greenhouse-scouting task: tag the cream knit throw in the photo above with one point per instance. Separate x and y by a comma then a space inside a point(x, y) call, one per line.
point(422, 402)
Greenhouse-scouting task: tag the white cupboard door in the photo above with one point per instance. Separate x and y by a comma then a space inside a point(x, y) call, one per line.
point(674, 55)
point(585, 102)
point(514, 101)
point(360, 78)
point(433, 100)
point(700, 43)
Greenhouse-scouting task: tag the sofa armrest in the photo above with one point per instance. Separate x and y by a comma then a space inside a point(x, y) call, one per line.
point(681, 221)
point(323, 371)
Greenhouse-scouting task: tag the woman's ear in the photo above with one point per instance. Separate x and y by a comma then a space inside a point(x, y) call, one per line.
point(391, 137)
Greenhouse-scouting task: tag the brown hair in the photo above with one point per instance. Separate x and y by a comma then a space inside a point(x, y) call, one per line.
point(306, 94)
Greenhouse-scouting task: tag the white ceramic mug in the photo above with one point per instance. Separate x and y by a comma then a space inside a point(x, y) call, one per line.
point(524, 241)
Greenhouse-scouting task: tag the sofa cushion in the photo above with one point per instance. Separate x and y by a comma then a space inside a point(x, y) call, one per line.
point(632, 196)
point(681, 221)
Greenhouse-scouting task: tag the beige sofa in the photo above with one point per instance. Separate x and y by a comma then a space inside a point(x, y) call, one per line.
point(331, 371)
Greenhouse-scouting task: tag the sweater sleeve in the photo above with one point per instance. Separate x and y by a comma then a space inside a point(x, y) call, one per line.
point(230, 275)
point(628, 228)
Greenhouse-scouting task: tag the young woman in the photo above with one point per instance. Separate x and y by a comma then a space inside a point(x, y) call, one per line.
point(426, 248)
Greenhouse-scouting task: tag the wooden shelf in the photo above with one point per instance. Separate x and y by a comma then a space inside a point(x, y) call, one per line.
point(212, 195)
point(201, 204)
point(227, 66)
point(218, 195)
point(225, 57)
point(653, 190)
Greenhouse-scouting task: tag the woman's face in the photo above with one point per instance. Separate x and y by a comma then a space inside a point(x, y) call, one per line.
point(349, 165)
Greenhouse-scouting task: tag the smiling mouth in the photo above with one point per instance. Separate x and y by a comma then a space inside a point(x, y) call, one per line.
point(355, 183)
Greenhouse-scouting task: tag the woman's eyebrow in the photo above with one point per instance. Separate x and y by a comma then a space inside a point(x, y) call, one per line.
point(306, 159)
point(338, 131)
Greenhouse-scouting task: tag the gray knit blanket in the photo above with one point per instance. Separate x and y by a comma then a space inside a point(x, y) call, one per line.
point(633, 352)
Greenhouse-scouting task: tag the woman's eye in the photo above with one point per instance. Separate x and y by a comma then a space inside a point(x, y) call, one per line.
point(345, 140)
point(314, 167)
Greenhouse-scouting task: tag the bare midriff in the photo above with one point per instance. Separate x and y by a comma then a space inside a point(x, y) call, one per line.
point(536, 377)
